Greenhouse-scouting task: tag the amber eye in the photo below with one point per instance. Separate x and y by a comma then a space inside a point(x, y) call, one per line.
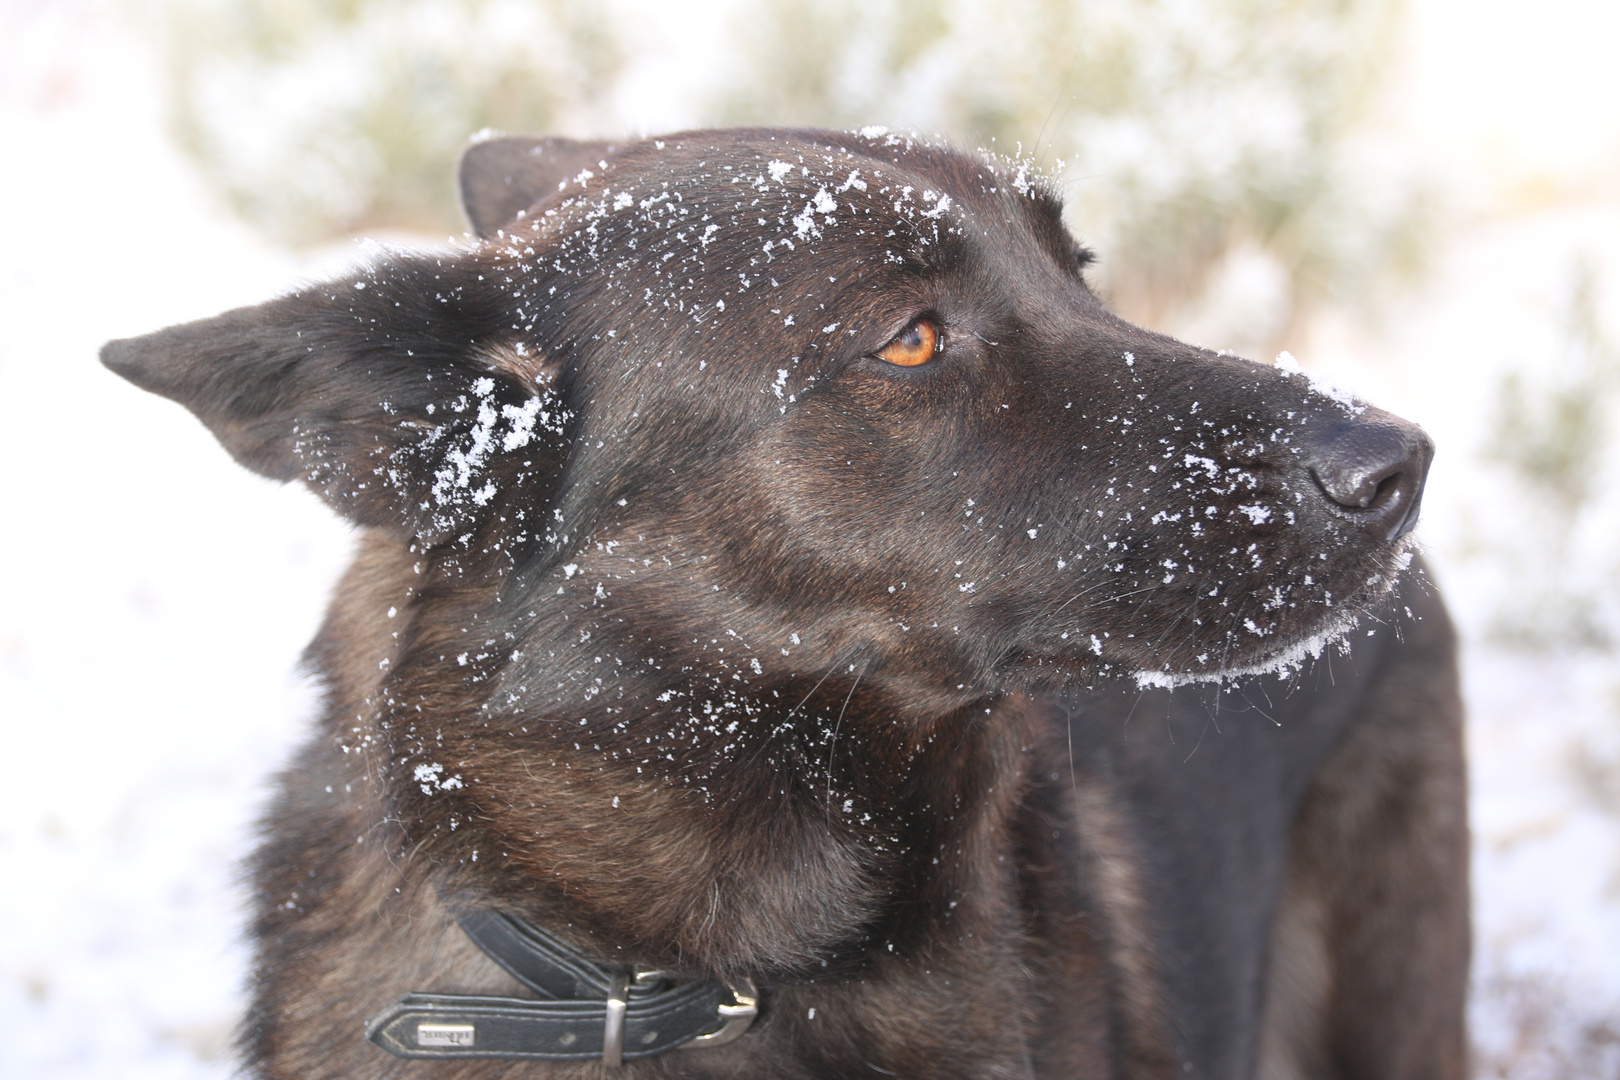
point(916, 344)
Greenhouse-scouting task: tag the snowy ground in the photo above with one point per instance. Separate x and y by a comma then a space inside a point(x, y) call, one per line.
point(157, 596)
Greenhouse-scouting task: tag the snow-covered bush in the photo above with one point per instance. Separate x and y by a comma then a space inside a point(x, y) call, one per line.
point(326, 119)
point(1213, 150)
point(1555, 437)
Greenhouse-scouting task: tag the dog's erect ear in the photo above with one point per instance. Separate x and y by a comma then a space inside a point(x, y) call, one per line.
point(500, 177)
point(399, 394)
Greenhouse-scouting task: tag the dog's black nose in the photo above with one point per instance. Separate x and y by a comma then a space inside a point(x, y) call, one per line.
point(1373, 467)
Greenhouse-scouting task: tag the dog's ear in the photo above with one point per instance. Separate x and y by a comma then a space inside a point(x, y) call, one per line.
point(400, 394)
point(501, 177)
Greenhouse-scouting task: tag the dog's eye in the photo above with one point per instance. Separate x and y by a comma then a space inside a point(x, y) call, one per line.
point(916, 344)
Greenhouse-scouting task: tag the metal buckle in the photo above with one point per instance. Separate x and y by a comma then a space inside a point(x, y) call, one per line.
point(618, 1000)
point(648, 980)
point(738, 1017)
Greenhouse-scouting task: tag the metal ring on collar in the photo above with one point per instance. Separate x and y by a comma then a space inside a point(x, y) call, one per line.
point(739, 1016)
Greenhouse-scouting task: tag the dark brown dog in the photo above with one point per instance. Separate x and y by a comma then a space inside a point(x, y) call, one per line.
point(780, 566)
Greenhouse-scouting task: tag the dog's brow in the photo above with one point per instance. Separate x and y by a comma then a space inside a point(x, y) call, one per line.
point(1046, 218)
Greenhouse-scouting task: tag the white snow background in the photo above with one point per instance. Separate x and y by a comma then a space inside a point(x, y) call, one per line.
point(155, 596)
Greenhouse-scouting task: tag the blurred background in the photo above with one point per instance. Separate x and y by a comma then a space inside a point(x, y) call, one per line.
point(1419, 199)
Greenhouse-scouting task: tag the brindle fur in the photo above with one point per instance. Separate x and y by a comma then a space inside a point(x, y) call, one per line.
point(686, 627)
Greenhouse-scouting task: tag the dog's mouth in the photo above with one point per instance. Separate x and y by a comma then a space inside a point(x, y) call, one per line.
point(1206, 635)
point(1289, 655)
point(1095, 659)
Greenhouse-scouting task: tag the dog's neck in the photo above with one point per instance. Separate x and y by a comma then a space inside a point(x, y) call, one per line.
point(730, 821)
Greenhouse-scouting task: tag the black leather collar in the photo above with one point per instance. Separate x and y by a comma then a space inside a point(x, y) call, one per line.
point(590, 1011)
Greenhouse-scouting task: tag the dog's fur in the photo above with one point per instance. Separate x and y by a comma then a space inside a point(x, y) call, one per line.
point(687, 627)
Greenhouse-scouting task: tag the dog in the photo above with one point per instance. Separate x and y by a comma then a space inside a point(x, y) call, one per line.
point(798, 630)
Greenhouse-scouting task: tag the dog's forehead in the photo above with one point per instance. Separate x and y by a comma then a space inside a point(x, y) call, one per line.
point(768, 255)
point(772, 198)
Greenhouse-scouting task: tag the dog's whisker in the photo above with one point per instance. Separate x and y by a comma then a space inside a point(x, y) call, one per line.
point(1196, 745)
point(832, 744)
point(1083, 592)
point(1068, 733)
point(1096, 604)
point(836, 664)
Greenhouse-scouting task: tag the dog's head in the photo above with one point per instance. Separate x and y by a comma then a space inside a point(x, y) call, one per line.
point(840, 399)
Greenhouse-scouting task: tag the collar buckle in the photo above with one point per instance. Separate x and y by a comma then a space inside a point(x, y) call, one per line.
point(739, 1016)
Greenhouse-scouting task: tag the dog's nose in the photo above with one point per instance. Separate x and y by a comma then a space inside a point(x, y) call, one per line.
point(1373, 467)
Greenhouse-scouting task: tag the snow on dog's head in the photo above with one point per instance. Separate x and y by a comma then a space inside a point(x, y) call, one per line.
point(847, 397)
